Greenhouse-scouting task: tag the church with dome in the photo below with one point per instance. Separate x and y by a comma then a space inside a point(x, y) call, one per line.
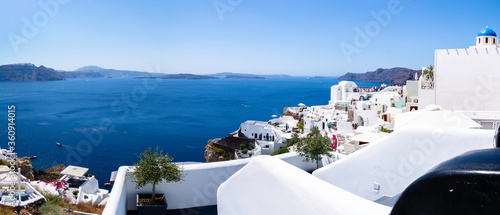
point(467, 79)
point(486, 38)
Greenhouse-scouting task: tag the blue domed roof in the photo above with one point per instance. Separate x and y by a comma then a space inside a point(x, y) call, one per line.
point(487, 32)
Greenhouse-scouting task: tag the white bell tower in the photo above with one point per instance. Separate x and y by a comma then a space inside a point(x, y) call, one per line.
point(487, 37)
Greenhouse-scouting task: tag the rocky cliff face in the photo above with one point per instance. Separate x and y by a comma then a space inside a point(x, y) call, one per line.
point(52, 173)
point(29, 172)
point(26, 168)
point(28, 72)
point(212, 156)
point(397, 76)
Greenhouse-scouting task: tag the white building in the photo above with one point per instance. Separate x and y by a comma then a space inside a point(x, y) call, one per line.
point(343, 92)
point(267, 136)
point(466, 79)
point(285, 123)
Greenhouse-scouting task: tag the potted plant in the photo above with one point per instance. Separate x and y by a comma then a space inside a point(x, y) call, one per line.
point(153, 168)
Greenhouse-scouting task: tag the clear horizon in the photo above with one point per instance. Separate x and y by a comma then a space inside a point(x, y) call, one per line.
point(296, 38)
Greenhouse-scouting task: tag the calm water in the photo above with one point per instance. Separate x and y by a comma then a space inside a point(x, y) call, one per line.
point(105, 123)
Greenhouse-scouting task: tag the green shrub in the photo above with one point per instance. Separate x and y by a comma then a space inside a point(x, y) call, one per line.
point(243, 146)
point(87, 175)
point(384, 130)
point(7, 163)
point(219, 151)
point(244, 151)
point(6, 211)
point(280, 151)
point(50, 209)
point(251, 146)
point(75, 192)
point(54, 199)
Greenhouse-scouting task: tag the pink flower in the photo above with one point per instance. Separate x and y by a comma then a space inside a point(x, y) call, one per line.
point(58, 184)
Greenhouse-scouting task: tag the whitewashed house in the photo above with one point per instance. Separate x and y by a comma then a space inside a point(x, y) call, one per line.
point(268, 138)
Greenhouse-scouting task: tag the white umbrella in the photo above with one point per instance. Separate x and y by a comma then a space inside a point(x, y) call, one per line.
point(432, 116)
point(302, 105)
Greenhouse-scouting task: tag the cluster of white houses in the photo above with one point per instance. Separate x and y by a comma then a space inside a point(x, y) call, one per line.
point(354, 110)
point(351, 110)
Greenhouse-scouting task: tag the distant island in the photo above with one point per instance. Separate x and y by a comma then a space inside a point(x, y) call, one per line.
point(233, 75)
point(80, 74)
point(244, 77)
point(182, 76)
point(28, 72)
point(117, 73)
point(397, 76)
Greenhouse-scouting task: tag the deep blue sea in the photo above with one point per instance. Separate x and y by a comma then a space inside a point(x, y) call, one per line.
point(104, 123)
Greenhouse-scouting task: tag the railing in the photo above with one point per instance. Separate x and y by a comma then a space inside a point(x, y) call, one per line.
point(38, 195)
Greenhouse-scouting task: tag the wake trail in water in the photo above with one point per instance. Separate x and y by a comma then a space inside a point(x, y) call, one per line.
point(69, 147)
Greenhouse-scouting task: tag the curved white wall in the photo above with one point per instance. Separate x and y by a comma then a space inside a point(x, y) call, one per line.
point(117, 202)
point(268, 185)
point(401, 157)
point(198, 189)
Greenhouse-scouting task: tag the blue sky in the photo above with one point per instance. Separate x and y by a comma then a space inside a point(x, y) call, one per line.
point(254, 36)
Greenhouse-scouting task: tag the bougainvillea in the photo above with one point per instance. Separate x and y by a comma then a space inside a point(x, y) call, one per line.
point(58, 184)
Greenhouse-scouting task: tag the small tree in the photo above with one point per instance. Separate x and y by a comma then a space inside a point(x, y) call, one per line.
point(314, 145)
point(429, 73)
point(153, 168)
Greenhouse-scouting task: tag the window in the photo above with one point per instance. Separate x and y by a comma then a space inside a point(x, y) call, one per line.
point(479, 40)
point(486, 40)
point(494, 42)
